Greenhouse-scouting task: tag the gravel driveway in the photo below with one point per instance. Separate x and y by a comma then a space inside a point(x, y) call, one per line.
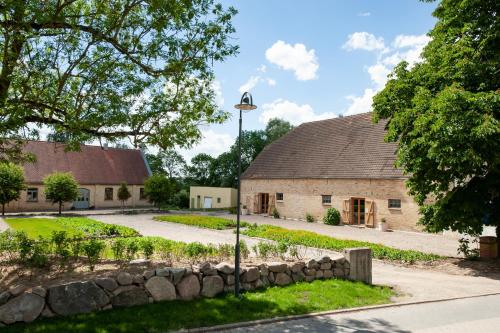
point(415, 284)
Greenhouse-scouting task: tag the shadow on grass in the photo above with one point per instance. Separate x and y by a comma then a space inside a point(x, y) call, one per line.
point(160, 317)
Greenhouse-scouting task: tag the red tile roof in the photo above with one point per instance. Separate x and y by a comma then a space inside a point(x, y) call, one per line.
point(91, 165)
point(348, 147)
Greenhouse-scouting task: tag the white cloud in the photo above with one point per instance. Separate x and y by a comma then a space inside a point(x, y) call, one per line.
point(410, 40)
point(250, 84)
point(378, 74)
point(212, 143)
point(364, 41)
point(296, 58)
point(360, 104)
point(271, 82)
point(262, 69)
point(364, 14)
point(294, 113)
point(217, 88)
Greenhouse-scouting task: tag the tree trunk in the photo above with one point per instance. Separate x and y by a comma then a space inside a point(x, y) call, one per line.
point(60, 207)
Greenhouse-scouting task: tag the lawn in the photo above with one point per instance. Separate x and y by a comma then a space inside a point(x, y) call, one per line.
point(36, 227)
point(295, 299)
point(312, 239)
point(203, 221)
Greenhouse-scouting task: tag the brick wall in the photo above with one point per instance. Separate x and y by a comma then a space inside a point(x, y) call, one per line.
point(301, 196)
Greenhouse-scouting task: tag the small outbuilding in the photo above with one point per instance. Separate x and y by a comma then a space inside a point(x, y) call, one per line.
point(212, 197)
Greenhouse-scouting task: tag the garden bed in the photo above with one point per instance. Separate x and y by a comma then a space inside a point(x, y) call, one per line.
point(203, 221)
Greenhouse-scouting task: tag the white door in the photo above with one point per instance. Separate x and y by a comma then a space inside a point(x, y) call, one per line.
point(207, 202)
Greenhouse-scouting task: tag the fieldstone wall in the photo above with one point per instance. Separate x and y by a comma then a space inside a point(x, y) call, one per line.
point(164, 284)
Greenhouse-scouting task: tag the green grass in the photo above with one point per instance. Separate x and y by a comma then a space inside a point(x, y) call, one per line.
point(295, 299)
point(312, 239)
point(203, 221)
point(36, 227)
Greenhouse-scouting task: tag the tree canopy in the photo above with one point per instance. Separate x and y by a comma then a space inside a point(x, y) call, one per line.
point(60, 187)
point(444, 113)
point(11, 183)
point(159, 189)
point(96, 69)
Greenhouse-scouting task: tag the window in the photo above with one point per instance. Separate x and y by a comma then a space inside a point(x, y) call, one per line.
point(326, 199)
point(218, 200)
point(142, 196)
point(394, 203)
point(108, 193)
point(279, 196)
point(32, 194)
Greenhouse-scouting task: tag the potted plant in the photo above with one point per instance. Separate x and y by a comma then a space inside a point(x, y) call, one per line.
point(382, 225)
point(244, 210)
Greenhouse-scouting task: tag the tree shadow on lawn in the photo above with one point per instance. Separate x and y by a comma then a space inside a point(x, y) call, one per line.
point(165, 316)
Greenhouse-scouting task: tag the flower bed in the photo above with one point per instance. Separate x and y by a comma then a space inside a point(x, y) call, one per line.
point(203, 221)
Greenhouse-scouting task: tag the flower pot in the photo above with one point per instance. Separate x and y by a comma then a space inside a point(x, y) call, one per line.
point(382, 226)
point(244, 211)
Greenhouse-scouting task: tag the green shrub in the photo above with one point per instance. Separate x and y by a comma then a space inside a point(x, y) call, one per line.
point(233, 210)
point(225, 251)
point(76, 247)
point(147, 247)
point(195, 250)
point(118, 247)
point(309, 218)
point(276, 214)
point(266, 249)
point(131, 248)
point(282, 249)
point(39, 256)
point(24, 244)
point(61, 245)
point(244, 251)
point(332, 216)
point(8, 244)
point(93, 249)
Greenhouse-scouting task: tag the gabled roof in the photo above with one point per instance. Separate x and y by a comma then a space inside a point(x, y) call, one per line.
point(348, 147)
point(92, 165)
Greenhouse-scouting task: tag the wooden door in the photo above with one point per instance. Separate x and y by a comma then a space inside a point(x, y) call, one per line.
point(358, 211)
point(370, 213)
point(264, 203)
point(256, 204)
point(346, 211)
point(271, 205)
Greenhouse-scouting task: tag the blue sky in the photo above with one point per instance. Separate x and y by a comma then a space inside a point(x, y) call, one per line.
point(310, 60)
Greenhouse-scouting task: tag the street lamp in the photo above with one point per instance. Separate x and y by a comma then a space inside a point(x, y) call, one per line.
point(246, 104)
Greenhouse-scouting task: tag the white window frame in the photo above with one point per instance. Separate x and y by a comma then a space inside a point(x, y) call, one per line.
point(389, 203)
point(323, 196)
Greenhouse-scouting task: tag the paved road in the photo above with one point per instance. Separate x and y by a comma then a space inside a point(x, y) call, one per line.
point(415, 284)
point(479, 314)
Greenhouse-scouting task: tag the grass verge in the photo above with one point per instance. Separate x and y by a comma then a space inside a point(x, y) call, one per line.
point(295, 299)
point(203, 221)
point(74, 226)
point(312, 239)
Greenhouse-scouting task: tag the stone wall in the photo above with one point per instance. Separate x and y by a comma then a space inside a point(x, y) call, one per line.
point(166, 284)
point(301, 196)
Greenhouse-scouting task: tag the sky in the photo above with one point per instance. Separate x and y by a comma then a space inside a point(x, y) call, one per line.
point(310, 60)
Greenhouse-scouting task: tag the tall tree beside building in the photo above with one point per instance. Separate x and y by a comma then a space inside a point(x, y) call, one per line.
point(60, 187)
point(123, 194)
point(276, 128)
point(112, 69)
point(159, 190)
point(11, 183)
point(167, 161)
point(445, 115)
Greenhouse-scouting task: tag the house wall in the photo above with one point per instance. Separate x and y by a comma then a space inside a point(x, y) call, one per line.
point(96, 199)
point(301, 196)
point(227, 196)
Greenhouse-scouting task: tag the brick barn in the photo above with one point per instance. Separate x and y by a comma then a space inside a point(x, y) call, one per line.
point(342, 163)
point(98, 171)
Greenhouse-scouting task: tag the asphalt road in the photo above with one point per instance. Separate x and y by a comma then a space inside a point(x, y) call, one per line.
point(470, 315)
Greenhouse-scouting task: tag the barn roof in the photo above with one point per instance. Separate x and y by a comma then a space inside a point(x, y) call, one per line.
point(348, 147)
point(92, 165)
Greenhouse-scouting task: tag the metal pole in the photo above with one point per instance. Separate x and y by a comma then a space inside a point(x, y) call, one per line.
point(238, 213)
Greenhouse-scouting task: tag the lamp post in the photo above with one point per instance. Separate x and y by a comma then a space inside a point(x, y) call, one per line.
point(246, 104)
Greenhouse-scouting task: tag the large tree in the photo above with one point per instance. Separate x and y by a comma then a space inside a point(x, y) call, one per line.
point(445, 115)
point(167, 161)
point(140, 69)
point(276, 128)
point(60, 187)
point(11, 183)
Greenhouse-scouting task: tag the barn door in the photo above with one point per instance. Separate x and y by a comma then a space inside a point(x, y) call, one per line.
point(370, 216)
point(271, 205)
point(256, 204)
point(346, 212)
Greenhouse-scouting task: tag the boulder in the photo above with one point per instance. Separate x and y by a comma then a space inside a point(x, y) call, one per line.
point(230, 279)
point(310, 278)
point(259, 284)
point(76, 297)
point(26, 308)
point(189, 287)
point(121, 289)
point(277, 267)
point(106, 283)
point(40, 291)
point(139, 262)
point(282, 279)
point(4, 297)
point(325, 265)
point(319, 274)
point(17, 290)
point(297, 267)
point(312, 264)
point(327, 274)
point(339, 272)
point(177, 273)
point(225, 268)
point(298, 277)
point(124, 279)
point(47, 312)
point(264, 270)
point(138, 279)
point(270, 277)
point(251, 274)
point(310, 271)
point(163, 271)
point(323, 259)
point(265, 281)
point(212, 286)
point(161, 289)
point(130, 297)
point(148, 274)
